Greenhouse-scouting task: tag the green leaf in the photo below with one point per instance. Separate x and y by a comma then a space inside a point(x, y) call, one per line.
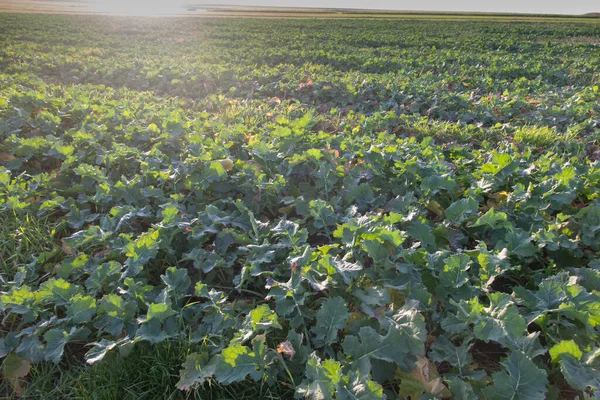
point(551, 293)
point(290, 233)
point(101, 348)
point(493, 221)
point(395, 347)
point(580, 376)
point(392, 239)
point(5, 177)
point(214, 171)
point(496, 322)
point(321, 380)
point(235, 363)
point(203, 260)
point(454, 275)
point(518, 243)
point(528, 345)
point(140, 252)
point(423, 234)
point(459, 357)
point(56, 340)
point(72, 264)
point(57, 290)
point(100, 275)
point(31, 348)
point(560, 294)
point(492, 264)
point(196, 369)
point(500, 319)
point(462, 209)
point(359, 387)
point(590, 226)
point(461, 390)
point(170, 215)
point(500, 161)
point(261, 318)
point(411, 322)
point(114, 313)
point(565, 347)
point(81, 309)
point(330, 319)
point(521, 379)
point(363, 196)
point(433, 184)
point(4, 349)
point(375, 249)
point(373, 295)
point(159, 311)
point(588, 278)
point(346, 269)
point(19, 300)
point(201, 290)
point(224, 239)
point(323, 214)
point(177, 280)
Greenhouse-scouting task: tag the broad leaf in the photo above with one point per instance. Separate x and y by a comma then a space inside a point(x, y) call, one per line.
point(235, 363)
point(359, 387)
point(196, 369)
point(423, 234)
point(330, 319)
point(322, 379)
point(579, 375)
point(521, 379)
point(394, 346)
point(462, 209)
point(565, 347)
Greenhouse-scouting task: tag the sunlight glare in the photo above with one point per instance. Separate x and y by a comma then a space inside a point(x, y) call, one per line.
point(139, 7)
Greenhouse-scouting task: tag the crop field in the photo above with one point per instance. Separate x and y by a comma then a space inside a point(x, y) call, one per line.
point(202, 208)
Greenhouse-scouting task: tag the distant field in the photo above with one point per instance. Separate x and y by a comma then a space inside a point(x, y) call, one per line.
point(394, 207)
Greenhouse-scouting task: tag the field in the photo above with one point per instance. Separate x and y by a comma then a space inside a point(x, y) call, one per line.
point(315, 208)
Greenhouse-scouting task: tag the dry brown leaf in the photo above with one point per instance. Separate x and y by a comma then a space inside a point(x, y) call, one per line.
point(35, 199)
point(435, 207)
point(16, 368)
point(286, 348)
point(227, 164)
point(423, 379)
point(6, 156)
point(66, 248)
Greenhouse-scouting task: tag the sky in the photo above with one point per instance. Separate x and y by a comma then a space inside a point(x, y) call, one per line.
point(512, 6)
point(516, 6)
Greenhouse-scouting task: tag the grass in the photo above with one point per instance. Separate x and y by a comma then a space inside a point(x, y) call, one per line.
point(149, 372)
point(540, 136)
point(448, 131)
point(22, 237)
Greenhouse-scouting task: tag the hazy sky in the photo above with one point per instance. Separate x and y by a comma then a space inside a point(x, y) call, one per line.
point(525, 6)
point(514, 6)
